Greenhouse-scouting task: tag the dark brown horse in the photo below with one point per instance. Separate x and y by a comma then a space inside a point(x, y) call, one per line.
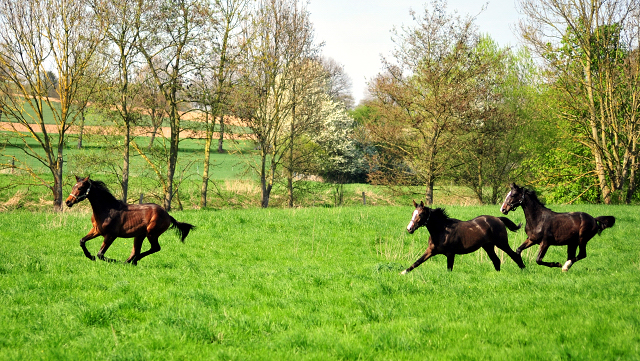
point(450, 236)
point(113, 218)
point(548, 228)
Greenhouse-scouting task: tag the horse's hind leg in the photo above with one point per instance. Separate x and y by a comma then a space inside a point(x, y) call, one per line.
point(571, 257)
point(492, 255)
point(108, 240)
point(155, 247)
point(135, 250)
point(543, 250)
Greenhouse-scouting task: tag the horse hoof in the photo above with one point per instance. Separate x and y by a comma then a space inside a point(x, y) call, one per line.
point(403, 272)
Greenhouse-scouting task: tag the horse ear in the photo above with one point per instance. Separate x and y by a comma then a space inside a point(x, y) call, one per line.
point(86, 179)
point(513, 186)
point(78, 179)
point(415, 204)
point(421, 204)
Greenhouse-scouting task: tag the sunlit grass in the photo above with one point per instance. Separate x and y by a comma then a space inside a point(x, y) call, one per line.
point(319, 283)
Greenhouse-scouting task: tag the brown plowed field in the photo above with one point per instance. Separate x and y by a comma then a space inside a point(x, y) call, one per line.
point(137, 131)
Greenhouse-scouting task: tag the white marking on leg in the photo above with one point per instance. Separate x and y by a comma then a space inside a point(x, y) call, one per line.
point(403, 272)
point(567, 265)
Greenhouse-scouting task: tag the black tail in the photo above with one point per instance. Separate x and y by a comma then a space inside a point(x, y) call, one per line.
point(605, 222)
point(512, 226)
point(183, 229)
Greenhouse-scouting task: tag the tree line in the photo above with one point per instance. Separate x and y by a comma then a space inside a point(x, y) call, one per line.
point(560, 114)
point(151, 63)
point(449, 104)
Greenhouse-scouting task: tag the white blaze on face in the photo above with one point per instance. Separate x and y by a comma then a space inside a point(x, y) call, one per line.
point(505, 202)
point(413, 220)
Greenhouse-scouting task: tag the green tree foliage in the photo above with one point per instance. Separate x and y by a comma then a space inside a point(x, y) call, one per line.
point(491, 140)
point(589, 50)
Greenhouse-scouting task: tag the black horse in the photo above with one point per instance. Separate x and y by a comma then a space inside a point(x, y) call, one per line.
point(548, 228)
point(113, 218)
point(450, 236)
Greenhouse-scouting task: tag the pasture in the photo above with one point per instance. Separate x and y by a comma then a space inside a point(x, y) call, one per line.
point(311, 284)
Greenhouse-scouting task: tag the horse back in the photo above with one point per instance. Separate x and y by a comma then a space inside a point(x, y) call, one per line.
point(143, 219)
point(565, 228)
point(468, 236)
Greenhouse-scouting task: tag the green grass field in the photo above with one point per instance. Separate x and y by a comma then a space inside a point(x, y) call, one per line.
point(311, 284)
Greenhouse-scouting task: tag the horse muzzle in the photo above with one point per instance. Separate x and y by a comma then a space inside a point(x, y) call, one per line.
point(71, 200)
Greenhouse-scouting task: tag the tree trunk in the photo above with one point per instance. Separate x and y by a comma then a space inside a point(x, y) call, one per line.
point(125, 164)
point(206, 163)
point(632, 180)
point(81, 130)
point(429, 193)
point(266, 182)
point(173, 157)
point(221, 137)
point(154, 126)
point(291, 140)
point(57, 183)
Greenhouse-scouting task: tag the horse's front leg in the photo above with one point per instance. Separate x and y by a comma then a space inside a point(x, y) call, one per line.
point(106, 243)
point(526, 244)
point(428, 254)
point(450, 259)
point(93, 233)
point(543, 250)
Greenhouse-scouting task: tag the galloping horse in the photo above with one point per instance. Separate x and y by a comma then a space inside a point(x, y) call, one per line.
point(548, 228)
point(113, 218)
point(450, 236)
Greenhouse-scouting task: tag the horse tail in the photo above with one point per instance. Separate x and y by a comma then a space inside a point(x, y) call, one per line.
point(183, 229)
point(604, 222)
point(512, 226)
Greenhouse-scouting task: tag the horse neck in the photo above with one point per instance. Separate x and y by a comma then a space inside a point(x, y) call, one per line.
point(102, 201)
point(435, 228)
point(532, 209)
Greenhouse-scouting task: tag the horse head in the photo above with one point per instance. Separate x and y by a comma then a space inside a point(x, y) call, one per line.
point(514, 199)
point(79, 192)
point(419, 218)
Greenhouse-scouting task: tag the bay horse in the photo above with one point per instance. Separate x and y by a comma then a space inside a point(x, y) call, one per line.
point(548, 228)
point(114, 218)
point(450, 236)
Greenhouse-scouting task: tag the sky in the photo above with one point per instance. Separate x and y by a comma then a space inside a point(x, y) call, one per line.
point(357, 33)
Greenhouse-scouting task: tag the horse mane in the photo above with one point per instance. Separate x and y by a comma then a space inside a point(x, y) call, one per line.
point(106, 194)
point(533, 196)
point(439, 214)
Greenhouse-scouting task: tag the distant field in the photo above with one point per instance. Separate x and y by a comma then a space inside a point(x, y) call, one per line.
point(234, 184)
point(311, 284)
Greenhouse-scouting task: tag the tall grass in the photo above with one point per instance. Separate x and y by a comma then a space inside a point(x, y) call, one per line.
point(310, 284)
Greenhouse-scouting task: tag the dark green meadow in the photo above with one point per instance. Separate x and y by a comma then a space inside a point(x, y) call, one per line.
point(311, 284)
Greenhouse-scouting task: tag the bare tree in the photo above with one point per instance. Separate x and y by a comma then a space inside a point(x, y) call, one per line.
point(35, 35)
point(212, 82)
point(121, 53)
point(340, 83)
point(172, 32)
point(590, 50)
point(280, 40)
